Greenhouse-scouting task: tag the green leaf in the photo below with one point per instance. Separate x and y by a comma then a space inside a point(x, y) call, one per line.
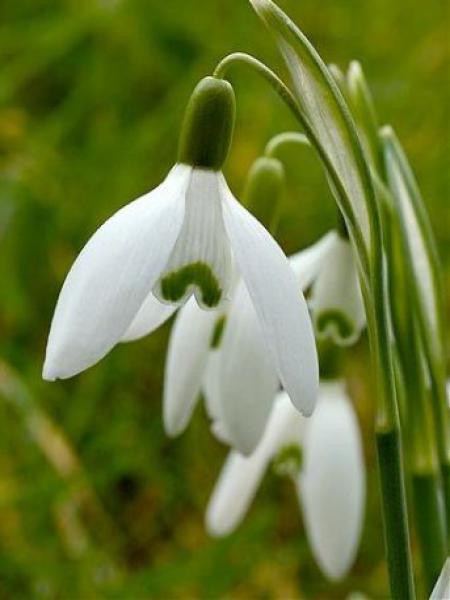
point(361, 102)
point(419, 244)
point(328, 116)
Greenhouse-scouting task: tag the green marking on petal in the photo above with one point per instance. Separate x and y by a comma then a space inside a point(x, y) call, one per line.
point(216, 337)
point(198, 274)
point(329, 321)
point(288, 460)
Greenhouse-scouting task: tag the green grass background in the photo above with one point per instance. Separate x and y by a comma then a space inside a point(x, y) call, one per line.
point(95, 501)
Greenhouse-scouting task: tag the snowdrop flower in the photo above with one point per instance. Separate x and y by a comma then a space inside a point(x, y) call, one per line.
point(179, 241)
point(234, 369)
point(336, 298)
point(441, 590)
point(323, 455)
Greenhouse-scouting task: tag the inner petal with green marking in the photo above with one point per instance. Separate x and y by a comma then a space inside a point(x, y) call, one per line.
point(200, 262)
point(334, 324)
point(196, 276)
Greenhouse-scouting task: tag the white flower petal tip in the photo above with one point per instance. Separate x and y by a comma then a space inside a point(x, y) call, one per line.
point(332, 483)
point(233, 493)
point(112, 276)
point(187, 356)
point(441, 590)
point(282, 311)
point(336, 299)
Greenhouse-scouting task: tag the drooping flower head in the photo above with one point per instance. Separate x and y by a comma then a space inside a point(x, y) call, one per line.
point(180, 240)
point(323, 456)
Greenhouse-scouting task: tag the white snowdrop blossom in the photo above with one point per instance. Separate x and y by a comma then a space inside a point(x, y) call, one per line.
point(236, 373)
point(323, 456)
point(180, 241)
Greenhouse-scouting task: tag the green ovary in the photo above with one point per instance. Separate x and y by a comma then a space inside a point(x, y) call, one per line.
point(288, 460)
point(334, 319)
point(198, 274)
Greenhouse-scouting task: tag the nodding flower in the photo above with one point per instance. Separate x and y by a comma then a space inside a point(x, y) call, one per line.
point(225, 355)
point(178, 244)
point(323, 456)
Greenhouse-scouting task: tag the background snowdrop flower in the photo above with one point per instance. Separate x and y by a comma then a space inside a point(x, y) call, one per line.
point(178, 241)
point(324, 456)
point(336, 299)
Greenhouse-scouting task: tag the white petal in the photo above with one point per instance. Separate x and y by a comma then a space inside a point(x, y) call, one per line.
point(336, 299)
point(247, 378)
point(332, 483)
point(201, 260)
point(187, 356)
point(308, 262)
point(280, 306)
point(151, 315)
point(112, 276)
point(441, 590)
point(241, 476)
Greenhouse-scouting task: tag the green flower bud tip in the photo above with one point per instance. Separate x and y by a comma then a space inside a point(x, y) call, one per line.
point(264, 190)
point(208, 124)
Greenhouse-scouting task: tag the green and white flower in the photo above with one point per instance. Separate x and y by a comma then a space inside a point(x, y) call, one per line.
point(226, 356)
point(323, 456)
point(181, 240)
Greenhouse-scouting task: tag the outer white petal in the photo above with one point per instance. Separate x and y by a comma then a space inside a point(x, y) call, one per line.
point(213, 397)
point(332, 482)
point(280, 306)
point(308, 262)
point(241, 476)
point(336, 296)
point(112, 276)
point(441, 590)
point(151, 315)
point(202, 242)
point(187, 357)
point(247, 378)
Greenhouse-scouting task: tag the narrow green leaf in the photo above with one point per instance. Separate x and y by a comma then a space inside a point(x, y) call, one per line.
point(326, 110)
point(418, 240)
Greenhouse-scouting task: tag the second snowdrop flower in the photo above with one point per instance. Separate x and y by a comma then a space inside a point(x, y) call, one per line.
point(179, 241)
point(323, 455)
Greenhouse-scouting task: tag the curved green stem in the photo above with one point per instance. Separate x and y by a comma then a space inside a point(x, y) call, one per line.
point(288, 98)
point(282, 139)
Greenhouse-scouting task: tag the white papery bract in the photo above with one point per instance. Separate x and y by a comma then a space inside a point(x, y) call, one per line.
point(179, 241)
point(323, 455)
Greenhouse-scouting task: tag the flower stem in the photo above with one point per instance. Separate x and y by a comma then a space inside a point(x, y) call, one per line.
point(428, 508)
point(395, 513)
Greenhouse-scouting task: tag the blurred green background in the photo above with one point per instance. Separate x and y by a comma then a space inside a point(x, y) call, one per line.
point(95, 501)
